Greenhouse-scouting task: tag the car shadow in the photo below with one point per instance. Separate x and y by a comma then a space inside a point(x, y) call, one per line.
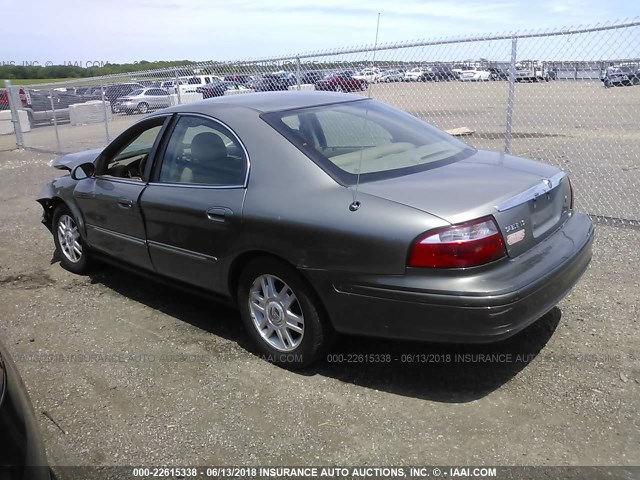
point(201, 312)
point(452, 373)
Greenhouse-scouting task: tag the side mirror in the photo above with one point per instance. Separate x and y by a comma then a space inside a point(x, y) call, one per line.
point(82, 171)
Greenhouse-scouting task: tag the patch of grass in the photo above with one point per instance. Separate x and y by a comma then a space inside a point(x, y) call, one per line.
point(31, 81)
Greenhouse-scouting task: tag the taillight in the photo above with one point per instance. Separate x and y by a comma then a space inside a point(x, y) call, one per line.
point(465, 245)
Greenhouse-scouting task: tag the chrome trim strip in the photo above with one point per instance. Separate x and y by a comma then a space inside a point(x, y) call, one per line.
point(121, 236)
point(111, 178)
point(195, 185)
point(182, 251)
point(545, 185)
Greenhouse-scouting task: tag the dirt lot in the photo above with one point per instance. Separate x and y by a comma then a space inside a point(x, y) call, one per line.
point(137, 373)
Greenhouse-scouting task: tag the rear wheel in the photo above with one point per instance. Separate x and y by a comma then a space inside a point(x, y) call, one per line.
point(282, 314)
point(143, 107)
point(70, 247)
point(635, 81)
point(339, 88)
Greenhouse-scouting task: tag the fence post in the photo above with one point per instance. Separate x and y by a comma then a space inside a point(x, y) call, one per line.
point(298, 71)
point(14, 114)
point(55, 120)
point(178, 87)
point(512, 94)
point(104, 108)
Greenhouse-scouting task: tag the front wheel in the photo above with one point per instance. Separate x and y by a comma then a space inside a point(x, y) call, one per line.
point(143, 108)
point(70, 247)
point(282, 314)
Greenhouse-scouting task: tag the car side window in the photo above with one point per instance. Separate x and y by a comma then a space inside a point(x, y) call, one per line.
point(203, 152)
point(128, 160)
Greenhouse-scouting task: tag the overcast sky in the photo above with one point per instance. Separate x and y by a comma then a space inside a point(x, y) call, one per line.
point(128, 30)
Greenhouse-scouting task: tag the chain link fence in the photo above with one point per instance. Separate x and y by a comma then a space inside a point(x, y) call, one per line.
point(569, 97)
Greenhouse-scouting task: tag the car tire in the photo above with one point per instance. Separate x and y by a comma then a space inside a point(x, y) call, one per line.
point(339, 89)
point(70, 247)
point(143, 108)
point(635, 81)
point(269, 293)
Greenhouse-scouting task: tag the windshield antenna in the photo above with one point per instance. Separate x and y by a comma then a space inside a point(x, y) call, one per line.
point(355, 204)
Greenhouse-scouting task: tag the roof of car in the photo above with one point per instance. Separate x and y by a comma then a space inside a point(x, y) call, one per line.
point(269, 101)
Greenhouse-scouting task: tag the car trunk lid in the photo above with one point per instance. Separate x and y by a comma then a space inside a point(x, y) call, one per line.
point(528, 200)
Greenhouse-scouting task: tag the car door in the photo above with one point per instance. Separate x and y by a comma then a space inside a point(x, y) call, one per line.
point(109, 200)
point(156, 99)
point(193, 205)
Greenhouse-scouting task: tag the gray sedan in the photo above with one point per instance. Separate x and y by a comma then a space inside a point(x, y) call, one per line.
point(142, 100)
point(318, 213)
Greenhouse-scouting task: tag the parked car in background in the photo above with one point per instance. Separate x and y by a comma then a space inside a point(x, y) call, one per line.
point(474, 75)
point(4, 100)
point(441, 73)
point(390, 76)
point(92, 93)
point(340, 82)
point(369, 75)
point(44, 106)
point(22, 453)
point(189, 83)
point(113, 92)
point(168, 85)
point(219, 89)
point(414, 75)
point(498, 74)
point(530, 71)
point(270, 82)
point(142, 101)
point(405, 241)
point(310, 78)
point(622, 75)
point(242, 78)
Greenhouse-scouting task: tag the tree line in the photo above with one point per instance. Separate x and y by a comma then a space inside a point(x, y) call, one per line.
point(12, 72)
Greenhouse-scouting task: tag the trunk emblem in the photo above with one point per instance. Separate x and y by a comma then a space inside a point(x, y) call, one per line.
point(515, 226)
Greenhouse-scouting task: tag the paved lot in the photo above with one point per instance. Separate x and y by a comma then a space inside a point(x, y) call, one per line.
point(136, 373)
point(590, 131)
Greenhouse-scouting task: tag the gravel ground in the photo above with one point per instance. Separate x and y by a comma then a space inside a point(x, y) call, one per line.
point(135, 373)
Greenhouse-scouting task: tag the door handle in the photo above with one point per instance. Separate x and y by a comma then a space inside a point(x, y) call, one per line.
point(125, 202)
point(219, 214)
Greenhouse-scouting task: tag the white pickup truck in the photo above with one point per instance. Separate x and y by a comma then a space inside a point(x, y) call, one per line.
point(188, 84)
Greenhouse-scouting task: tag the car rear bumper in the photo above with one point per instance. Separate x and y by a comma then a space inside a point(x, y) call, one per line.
point(477, 305)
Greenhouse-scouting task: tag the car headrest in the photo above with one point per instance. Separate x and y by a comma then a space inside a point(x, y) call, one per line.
point(207, 146)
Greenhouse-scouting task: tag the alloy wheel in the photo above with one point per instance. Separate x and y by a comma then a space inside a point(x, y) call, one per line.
point(69, 238)
point(276, 313)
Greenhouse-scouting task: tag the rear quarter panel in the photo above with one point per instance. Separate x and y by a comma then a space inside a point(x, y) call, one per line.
point(294, 210)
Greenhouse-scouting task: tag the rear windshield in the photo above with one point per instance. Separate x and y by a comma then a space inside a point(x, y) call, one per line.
point(368, 137)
